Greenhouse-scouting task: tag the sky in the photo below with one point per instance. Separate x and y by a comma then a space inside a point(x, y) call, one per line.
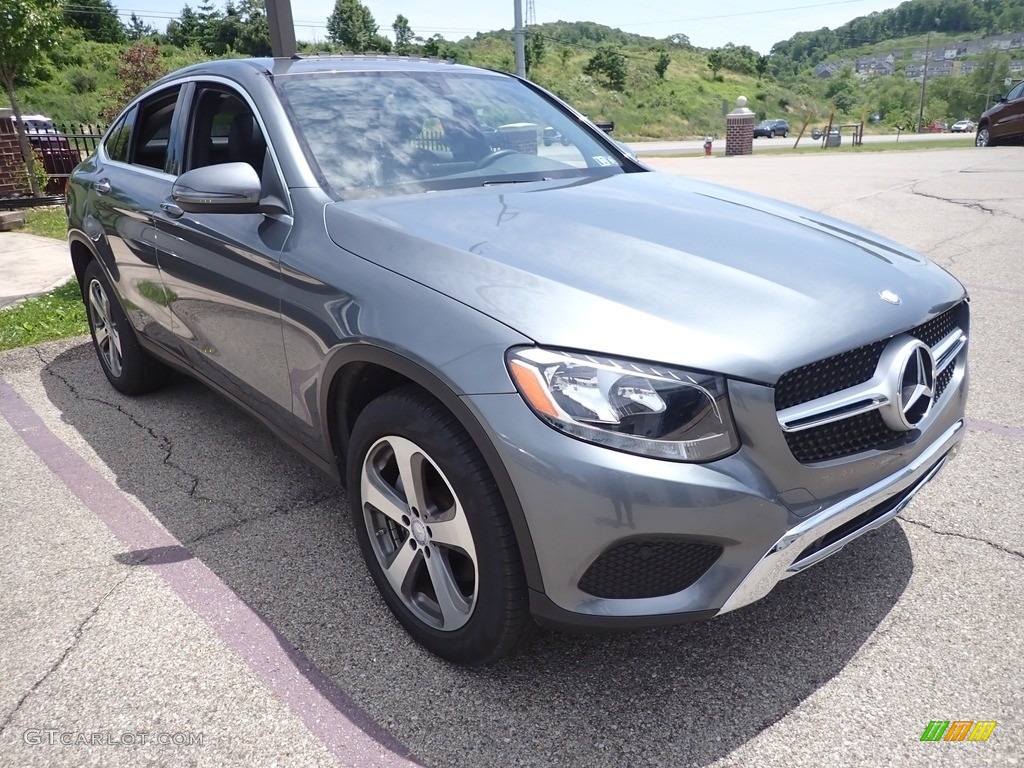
point(756, 23)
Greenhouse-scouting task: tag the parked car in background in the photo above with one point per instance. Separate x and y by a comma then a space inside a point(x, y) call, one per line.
point(771, 128)
point(962, 126)
point(936, 126)
point(560, 387)
point(58, 156)
point(1004, 121)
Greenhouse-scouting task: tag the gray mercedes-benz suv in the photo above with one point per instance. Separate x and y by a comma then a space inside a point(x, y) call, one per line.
point(559, 387)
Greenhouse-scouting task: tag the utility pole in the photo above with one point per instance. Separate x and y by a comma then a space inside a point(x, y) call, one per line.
point(924, 81)
point(282, 28)
point(520, 40)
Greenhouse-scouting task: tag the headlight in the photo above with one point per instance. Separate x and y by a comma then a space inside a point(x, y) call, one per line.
point(651, 410)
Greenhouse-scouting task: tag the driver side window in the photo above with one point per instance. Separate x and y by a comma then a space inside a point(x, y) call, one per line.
point(224, 130)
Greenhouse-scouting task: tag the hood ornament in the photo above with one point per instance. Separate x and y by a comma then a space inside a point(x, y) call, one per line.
point(890, 296)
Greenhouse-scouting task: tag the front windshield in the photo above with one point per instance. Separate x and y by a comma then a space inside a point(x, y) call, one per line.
point(373, 133)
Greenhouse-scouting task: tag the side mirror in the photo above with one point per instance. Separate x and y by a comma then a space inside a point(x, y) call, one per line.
point(1000, 98)
point(224, 188)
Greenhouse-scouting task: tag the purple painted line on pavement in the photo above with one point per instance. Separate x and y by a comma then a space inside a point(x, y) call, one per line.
point(347, 731)
point(1003, 430)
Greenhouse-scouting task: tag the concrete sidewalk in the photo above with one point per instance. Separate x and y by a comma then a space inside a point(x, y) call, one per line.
point(31, 265)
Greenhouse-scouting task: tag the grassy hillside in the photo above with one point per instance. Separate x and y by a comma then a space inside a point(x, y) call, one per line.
point(77, 81)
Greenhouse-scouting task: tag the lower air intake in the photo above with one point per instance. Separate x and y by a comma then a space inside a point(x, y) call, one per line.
point(635, 569)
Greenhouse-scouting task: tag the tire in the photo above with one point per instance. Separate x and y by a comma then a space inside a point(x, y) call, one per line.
point(983, 139)
point(458, 585)
point(771, 134)
point(128, 367)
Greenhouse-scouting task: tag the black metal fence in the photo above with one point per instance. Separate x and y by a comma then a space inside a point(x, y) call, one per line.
point(63, 150)
point(59, 150)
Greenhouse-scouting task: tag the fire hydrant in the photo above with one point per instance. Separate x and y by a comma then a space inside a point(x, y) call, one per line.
point(707, 146)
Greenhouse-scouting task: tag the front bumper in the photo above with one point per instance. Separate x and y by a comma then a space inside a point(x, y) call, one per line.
point(579, 501)
point(830, 530)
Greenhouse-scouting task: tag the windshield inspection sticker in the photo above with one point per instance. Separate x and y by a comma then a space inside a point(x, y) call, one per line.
point(603, 160)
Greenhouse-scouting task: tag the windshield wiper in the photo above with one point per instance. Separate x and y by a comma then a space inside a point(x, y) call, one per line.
point(513, 180)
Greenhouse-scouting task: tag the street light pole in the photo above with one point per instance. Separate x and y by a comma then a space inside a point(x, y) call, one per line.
point(520, 39)
point(282, 28)
point(924, 81)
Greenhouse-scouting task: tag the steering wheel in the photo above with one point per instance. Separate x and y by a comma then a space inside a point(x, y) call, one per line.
point(495, 156)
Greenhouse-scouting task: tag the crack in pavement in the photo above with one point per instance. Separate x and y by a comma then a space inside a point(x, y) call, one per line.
point(166, 445)
point(999, 547)
point(75, 639)
point(278, 511)
point(969, 205)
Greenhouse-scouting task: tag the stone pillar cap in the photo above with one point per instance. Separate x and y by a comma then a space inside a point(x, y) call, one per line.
point(741, 107)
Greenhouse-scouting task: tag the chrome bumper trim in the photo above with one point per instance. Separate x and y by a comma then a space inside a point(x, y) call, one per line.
point(780, 562)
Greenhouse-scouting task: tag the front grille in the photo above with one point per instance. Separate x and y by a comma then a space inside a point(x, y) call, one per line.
point(844, 438)
point(865, 431)
point(833, 374)
point(636, 569)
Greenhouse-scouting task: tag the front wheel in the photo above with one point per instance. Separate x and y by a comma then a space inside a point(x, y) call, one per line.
point(983, 139)
point(434, 532)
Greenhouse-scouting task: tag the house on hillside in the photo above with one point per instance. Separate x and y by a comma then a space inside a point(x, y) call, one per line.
point(826, 69)
point(966, 67)
point(914, 70)
point(941, 68)
point(949, 54)
point(919, 55)
point(1017, 65)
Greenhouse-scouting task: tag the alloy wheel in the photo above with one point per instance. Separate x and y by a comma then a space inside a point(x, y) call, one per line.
point(108, 340)
point(419, 533)
point(982, 138)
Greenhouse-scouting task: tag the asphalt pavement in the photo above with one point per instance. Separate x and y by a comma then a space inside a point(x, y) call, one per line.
point(180, 589)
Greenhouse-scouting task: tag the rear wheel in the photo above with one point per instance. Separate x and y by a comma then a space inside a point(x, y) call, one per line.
point(434, 532)
point(128, 367)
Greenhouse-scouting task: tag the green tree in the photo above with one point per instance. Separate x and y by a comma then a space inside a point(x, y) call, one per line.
point(97, 19)
point(352, 25)
point(715, 63)
point(842, 89)
point(137, 29)
point(403, 34)
point(254, 31)
point(761, 67)
point(534, 49)
point(661, 65)
point(186, 30)
point(609, 63)
point(139, 66)
point(28, 28)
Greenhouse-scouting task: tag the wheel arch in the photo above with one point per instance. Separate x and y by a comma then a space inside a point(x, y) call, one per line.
point(357, 374)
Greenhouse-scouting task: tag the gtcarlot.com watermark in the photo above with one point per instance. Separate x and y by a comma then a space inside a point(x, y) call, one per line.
point(54, 737)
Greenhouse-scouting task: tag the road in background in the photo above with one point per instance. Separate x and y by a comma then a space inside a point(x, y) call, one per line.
point(696, 146)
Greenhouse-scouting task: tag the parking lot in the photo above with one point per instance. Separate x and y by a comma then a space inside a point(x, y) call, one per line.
point(180, 589)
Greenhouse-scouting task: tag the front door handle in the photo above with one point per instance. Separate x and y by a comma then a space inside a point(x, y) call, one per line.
point(102, 186)
point(171, 209)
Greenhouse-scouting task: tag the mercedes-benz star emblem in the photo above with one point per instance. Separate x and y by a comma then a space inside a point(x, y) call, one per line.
point(891, 296)
point(913, 379)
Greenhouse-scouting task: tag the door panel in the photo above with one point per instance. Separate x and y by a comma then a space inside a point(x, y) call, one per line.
point(222, 271)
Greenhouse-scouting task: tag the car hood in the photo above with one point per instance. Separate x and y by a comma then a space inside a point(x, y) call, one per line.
point(654, 267)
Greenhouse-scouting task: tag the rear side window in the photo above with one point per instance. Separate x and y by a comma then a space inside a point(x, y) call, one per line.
point(151, 132)
point(119, 140)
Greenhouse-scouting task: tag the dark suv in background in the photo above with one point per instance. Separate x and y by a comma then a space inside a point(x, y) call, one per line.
point(1003, 122)
point(771, 129)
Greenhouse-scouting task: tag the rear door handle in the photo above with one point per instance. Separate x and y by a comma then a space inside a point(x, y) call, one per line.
point(102, 186)
point(171, 209)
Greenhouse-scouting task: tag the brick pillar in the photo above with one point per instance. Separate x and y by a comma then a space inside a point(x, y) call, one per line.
point(739, 129)
point(13, 178)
